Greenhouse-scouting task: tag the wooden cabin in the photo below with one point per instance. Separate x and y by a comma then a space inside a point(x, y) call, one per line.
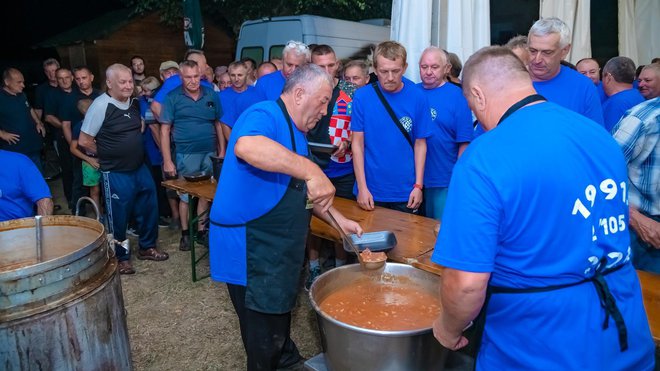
point(118, 35)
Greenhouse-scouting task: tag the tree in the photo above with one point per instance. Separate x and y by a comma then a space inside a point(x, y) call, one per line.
point(232, 13)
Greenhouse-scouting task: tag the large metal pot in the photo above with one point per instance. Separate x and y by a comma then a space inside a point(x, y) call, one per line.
point(63, 310)
point(348, 347)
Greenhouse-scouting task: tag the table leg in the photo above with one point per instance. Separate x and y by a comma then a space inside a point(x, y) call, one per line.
point(192, 220)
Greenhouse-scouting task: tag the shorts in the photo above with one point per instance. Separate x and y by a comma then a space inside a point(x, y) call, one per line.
point(434, 202)
point(91, 176)
point(190, 163)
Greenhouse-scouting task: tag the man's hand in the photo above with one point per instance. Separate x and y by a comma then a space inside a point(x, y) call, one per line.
point(169, 169)
point(350, 227)
point(415, 198)
point(9, 137)
point(320, 190)
point(93, 162)
point(647, 229)
point(41, 129)
point(365, 200)
point(341, 150)
point(448, 340)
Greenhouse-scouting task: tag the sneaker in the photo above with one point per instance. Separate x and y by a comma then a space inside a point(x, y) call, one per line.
point(131, 232)
point(184, 243)
point(162, 223)
point(175, 224)
point(314, 273)
point(203, 237)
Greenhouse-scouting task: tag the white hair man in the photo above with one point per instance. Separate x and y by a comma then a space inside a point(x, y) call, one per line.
point(566, 275)
point(294, 55)
point(649, 81)
point(258, 244)
point(549, 41)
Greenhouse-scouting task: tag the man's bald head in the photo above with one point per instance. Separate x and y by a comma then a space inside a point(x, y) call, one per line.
point(12, 81)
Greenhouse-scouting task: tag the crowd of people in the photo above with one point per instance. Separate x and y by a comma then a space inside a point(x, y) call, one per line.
point(556, 191)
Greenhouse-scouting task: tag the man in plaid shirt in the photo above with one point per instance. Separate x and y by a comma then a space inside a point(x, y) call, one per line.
point(638, 134)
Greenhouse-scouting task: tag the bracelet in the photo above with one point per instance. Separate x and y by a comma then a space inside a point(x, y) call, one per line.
point(418, 186)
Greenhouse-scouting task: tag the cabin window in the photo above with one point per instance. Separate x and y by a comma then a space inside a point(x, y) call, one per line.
point(254, 52)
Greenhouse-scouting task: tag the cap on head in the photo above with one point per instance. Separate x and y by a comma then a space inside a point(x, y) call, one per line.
point(167, 65)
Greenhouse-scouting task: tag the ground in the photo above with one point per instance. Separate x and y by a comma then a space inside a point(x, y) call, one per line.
point(175, 324)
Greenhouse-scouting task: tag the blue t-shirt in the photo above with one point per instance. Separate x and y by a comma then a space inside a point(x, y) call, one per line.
point(21, 186)
point(153, 152)
point(269, 87)
point(172, 83)
point(452, 125)
point(572, 90)
point(601, 92)
point(618, 104)
point(389, 163)
point(245, 192)
point(535, 204)
point(234, 103)
point(193, 121)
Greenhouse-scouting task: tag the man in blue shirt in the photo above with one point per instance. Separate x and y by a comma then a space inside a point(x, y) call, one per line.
point(389, 156)
point(590, 68)
point(237, 97)
point(191, 113)
point(549, 42)
point(20, 126)
point(618, 75)
point(535, 235)
point(451, 128)
point(261, 212)
point(294, 55)
point(21, 188)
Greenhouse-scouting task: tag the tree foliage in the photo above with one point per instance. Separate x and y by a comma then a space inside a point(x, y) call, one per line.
point(232, 13)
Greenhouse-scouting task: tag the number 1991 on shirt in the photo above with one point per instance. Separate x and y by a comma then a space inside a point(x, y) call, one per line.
point(608, 187)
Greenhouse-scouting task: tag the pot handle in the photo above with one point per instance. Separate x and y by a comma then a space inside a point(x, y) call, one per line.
point(96, 208)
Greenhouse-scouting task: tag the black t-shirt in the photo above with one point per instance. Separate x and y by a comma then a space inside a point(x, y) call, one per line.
point(15, 118)
point(42, 94)
point(117, 129)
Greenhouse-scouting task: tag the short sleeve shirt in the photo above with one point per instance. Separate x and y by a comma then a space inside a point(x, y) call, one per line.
point(21, 186)
point(16, 118)
point(616, 106)
point(269, 87)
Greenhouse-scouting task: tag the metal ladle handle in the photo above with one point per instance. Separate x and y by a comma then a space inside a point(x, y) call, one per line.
point(91, 201)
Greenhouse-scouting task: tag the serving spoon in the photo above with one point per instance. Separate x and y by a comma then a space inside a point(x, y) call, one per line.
point(370, 265)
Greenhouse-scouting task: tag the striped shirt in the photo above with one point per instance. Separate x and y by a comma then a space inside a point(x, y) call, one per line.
point(638, 134)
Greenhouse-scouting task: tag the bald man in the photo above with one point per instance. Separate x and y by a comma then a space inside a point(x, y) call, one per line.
point(538, 280)
point(590, 68)
point(112, 130)
point(451, 129)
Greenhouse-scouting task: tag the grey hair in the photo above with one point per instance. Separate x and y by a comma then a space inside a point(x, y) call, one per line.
point(516, 42)
point(547, 26)
point(50, 62)
point(309, 76)
point(297, 48)
point(622, 69)
point(434, 48)
point(655, 67)
point(114, 68)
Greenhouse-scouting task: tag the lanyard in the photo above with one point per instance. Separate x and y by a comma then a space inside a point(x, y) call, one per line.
point(520, 104)
point(280, 103)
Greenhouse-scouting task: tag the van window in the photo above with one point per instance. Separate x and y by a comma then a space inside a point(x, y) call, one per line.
point(254, 52)
point(275, 51)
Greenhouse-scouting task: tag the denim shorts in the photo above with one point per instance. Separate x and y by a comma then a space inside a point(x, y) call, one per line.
point(191, 163)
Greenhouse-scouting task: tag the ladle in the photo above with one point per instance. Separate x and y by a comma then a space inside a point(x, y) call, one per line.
point(371, 265)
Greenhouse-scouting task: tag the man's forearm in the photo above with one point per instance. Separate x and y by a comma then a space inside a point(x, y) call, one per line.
point(86, 141)
point(219, 132)
point(462, 295)
point(54, 121)
point(420, 160)
point(165, 142)
point(45, 206)
point(66, 130)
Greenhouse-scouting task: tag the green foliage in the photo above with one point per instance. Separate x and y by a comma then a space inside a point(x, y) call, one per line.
point(232, 13)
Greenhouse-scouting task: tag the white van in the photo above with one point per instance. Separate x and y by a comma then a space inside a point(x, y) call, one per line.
point(263, 39)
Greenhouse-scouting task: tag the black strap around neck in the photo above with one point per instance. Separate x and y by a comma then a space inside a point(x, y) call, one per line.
point(520, 104)
point(390, 111)
point(288, 121)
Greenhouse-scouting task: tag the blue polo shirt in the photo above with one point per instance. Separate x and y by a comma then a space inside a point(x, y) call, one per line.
point(21, 186)
point(269, 87)
point(389, 163)
point(15, 117)
point(452, 125)
point(235, 103)
point(572, 90)
point(616, 106)
point(535, 204)
point(172, 83)
point(245, 192)
point(193, 121)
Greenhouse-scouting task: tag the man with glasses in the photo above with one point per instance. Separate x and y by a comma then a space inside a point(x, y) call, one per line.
point(549, 43)
point(294, 55)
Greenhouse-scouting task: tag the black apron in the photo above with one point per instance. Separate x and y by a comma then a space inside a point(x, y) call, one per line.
point(475, 333)
point(275, 247)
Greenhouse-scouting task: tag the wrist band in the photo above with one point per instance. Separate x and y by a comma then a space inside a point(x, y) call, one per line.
point(418, 186)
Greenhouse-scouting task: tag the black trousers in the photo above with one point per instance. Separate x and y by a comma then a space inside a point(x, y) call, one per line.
point(163, 205)
point(266, 337)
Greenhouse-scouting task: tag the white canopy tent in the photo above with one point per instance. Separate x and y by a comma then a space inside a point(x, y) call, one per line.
point(463, 27)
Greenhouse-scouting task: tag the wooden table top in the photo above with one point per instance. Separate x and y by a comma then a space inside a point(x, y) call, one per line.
point(651, 293)
point(414, 233)
point(204, 189)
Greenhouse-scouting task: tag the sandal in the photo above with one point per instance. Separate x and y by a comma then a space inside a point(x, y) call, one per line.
point(125, 267)
point(152, 254)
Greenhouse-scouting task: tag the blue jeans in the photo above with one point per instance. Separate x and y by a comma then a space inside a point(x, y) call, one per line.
point(131, 194)
point(191, 163)
point(644, 256)
point(434, 202)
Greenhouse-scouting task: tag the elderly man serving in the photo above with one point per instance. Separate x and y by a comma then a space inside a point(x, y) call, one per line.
point(261, 212)
point(535, 235)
